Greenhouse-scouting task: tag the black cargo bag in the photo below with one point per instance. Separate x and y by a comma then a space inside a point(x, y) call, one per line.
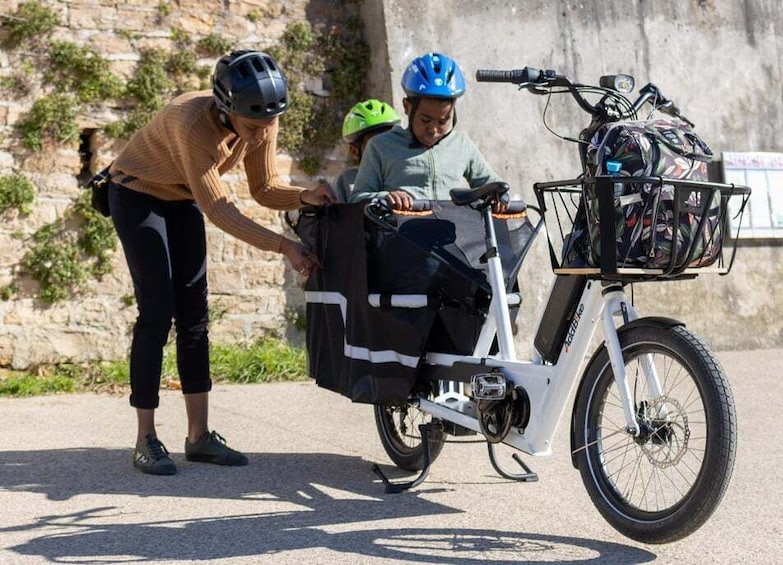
point(372, 352)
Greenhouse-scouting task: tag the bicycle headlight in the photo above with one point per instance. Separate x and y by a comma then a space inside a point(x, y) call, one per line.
point(618, 83)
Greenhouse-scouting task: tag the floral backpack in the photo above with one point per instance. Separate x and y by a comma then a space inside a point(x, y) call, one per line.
point(644, 222)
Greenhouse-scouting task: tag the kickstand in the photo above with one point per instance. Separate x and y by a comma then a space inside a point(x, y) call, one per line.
point(528, 477)
point(401, 486)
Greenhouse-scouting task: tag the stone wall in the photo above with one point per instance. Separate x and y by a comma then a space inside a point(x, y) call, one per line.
point(251, 291)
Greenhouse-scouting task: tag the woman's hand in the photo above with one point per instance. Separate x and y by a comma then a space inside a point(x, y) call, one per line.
point(321, 195)
point(303, 261)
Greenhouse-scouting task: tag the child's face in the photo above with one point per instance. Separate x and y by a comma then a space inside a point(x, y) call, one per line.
point(357, 149)
point(433, 119)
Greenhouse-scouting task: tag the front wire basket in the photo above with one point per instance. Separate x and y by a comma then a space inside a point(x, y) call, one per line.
point(650, 227)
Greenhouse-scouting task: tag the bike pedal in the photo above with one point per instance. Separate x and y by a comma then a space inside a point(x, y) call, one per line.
point(488, 386)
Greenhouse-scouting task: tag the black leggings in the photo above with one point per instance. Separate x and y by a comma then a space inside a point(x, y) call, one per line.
point(165, 246)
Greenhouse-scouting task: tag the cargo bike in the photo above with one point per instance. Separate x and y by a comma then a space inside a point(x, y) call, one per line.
point(414, 313)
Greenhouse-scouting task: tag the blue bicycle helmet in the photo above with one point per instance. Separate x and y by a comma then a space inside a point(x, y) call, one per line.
point(433, 75)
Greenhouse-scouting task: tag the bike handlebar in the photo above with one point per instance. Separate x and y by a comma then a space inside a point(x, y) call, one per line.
point(528, 76)
point(516, 76)
point(417, 206)
point(535, 79)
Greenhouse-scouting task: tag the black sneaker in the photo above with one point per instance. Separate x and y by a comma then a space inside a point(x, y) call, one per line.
point(212, 448)
point(152, 457)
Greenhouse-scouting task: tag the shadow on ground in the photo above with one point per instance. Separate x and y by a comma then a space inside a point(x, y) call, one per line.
point(289, 502)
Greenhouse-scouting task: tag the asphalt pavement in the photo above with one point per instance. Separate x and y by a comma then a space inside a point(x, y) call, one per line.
point(69, 494)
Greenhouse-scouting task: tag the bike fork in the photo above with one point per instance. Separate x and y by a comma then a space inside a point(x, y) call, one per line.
point(615, 304)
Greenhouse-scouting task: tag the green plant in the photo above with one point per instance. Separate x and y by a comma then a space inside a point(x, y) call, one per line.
point(182, 62)
point(54, 262)
point(28, 25)
point(30, 385)
point(8, 291)
point(213, 45)
point(150, 86)
point(266, 360)
point(348, 59)
point(81, 70)
point(97, 237)
point(16, 191)
point(180, 37)
point(312, 124)
point(53, 118)
point(165, 9)
point(16, 86)
point(69, 250)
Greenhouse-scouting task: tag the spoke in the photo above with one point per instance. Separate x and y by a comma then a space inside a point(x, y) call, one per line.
point(598, 440)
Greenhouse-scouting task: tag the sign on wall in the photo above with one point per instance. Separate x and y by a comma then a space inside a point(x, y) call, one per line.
point(763, 173)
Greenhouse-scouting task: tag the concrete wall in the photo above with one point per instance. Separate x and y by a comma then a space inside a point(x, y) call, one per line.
point(720, 60)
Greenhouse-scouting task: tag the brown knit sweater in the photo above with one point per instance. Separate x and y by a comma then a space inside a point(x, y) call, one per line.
point(183, 151)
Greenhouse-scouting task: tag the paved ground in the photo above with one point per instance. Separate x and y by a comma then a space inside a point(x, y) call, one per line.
point(68, 493)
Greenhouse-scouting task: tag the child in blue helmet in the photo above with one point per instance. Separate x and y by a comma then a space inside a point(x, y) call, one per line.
point(362, 122)
point(430, 157)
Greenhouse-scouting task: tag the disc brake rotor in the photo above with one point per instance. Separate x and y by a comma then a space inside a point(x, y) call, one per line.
point(665, 431)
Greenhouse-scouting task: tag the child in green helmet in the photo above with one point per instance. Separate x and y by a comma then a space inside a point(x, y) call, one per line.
point(361, 123)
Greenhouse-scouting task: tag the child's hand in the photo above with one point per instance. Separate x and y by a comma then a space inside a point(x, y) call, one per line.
point(400, 200)
point(499, 207)
point(321, 195)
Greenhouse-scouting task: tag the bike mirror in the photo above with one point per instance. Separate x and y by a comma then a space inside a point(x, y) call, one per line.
point(618, 83)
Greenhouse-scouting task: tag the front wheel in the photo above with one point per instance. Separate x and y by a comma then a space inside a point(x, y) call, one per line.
point(664, 483)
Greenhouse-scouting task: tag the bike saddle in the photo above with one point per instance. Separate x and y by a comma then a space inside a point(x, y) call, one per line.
point(491, 192)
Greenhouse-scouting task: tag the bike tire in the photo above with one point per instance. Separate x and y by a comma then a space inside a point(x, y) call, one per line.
point(662, 487)
point(398, 429)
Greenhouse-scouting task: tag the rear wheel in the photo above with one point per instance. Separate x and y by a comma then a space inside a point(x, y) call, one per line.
point(663, 484)
point(398, 428)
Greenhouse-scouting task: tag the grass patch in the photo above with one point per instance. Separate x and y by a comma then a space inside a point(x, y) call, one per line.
point(268, 360)
point(32, 385)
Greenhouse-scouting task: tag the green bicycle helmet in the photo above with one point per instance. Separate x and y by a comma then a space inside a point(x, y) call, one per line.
point(368, 116)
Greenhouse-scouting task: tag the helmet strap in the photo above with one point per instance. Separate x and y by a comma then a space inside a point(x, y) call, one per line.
point(224, 119)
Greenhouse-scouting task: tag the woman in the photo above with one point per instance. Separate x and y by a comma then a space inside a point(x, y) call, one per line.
point(162, 183)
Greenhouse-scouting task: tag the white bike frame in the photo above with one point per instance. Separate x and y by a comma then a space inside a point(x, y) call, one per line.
point(548, 386)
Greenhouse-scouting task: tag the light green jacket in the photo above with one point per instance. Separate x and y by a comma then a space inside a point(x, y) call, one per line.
point(394, 161)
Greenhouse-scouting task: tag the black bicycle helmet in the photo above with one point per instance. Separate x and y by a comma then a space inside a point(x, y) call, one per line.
point(250, 84)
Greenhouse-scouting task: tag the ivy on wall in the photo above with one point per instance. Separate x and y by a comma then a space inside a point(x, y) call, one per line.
point(335, 56)
point(338, 56)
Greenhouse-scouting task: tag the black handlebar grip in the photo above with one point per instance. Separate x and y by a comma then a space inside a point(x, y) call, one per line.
point(516, 76)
